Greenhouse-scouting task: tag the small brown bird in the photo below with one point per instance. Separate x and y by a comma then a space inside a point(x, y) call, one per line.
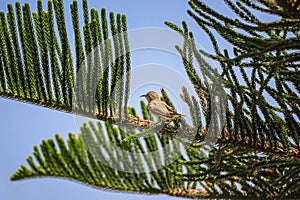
point(159, 108)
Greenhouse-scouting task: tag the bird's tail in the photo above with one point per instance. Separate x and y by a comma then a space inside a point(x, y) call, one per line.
point(177, 115)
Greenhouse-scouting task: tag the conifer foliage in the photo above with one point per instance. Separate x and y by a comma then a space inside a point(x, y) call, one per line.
point(257, 152)
point(40, 68)
point(261, 73)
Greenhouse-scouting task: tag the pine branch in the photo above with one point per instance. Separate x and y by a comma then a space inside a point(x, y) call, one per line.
point(242, 165)
point(44, 74)
point(103, 160)
point(253, 122)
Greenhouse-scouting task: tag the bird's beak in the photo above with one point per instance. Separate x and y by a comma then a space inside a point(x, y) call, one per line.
point(143, 96)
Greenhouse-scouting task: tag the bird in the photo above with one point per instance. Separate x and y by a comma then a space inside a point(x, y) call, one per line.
point(159, 108)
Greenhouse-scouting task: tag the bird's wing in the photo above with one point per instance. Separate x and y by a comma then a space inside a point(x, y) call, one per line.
point(161, 109)
point(171, 109)
point(158, 109)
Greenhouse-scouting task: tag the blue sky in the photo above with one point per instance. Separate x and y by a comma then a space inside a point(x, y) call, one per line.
point(24, 125)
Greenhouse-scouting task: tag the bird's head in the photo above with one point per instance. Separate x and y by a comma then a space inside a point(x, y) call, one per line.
point(150, 96)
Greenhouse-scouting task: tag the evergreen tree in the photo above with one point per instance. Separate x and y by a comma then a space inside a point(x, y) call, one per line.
point(257, 150)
